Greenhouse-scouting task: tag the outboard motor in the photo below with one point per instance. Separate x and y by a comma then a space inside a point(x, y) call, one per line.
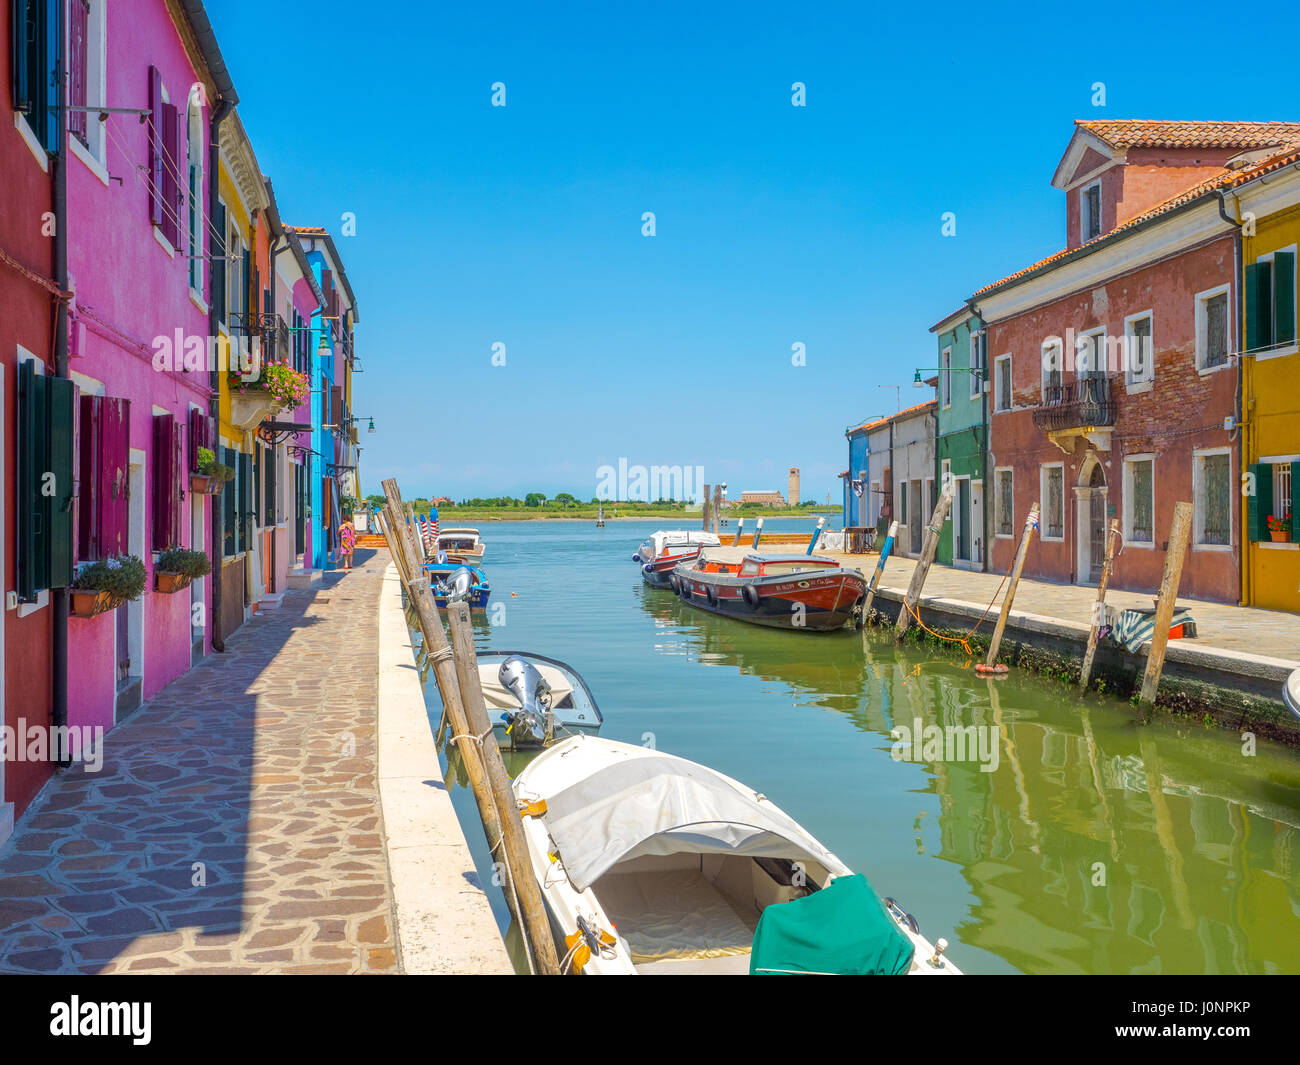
point(457, 585)
point(525, 682)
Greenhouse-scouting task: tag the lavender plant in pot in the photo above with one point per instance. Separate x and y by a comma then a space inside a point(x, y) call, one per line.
point(177, 566)
point(106, 585)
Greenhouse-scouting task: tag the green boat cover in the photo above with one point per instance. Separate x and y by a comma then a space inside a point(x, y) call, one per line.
point(843, 930)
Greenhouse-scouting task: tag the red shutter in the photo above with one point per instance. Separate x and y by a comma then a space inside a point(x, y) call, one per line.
point(114, 476)
point(164, 481)
point(78, 65)
point(170, 187)
point(155, 146)
point(88, 509)
point(177, 480)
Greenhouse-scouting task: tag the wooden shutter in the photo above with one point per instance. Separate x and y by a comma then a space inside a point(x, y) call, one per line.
point(114, 488)
point(90, 444)
point(1295, 510)
point(155, 147)
point(1260, 505)
point(245, 501)
point(228, 506)
point(19, 68)
point(1259, 307)
point(33, 560)
point(46, 481)
point(164, 482)
point(217, 275)
point(1284, 296)
point(78, 64)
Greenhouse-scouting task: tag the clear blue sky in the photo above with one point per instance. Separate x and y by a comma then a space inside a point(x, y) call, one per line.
point(775, 224)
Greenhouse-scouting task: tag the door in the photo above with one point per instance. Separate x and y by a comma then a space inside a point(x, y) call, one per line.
point(1096, 524)
point(915, 519)
point(961, 527)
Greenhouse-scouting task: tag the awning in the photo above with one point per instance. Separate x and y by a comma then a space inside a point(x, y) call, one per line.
point(660, 804)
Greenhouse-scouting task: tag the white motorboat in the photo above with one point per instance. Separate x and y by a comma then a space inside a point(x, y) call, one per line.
point(533, 700)
point(651, 864)
point(657, 544)
point(463, 544)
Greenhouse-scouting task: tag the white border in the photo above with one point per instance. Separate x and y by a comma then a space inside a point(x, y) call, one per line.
point(1042, 494)
point(1126, 481)
point(1136, 386)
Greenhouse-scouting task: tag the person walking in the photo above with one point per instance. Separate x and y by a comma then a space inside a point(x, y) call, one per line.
point(347, 542)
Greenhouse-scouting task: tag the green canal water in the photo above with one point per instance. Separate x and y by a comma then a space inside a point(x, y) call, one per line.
point(1086, 844)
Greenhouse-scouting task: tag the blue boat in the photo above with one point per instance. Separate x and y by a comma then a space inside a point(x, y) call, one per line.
point(442, 580)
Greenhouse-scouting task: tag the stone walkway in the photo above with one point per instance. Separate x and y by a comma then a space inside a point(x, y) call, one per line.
point(235, 826)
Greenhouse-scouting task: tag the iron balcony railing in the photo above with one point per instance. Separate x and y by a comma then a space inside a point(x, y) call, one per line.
point(1076, 404)
point(270, 328)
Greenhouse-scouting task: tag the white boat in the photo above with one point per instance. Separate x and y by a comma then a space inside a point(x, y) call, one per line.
point(651, 864)
point(461, 543)
point(1291, 692)
point(531, 707)
point(654, 546)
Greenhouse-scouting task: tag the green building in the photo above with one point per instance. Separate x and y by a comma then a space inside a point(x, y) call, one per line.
point(961, 445)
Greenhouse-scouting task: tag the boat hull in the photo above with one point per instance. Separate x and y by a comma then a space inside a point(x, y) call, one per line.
point(658, 573)
point(807, 602)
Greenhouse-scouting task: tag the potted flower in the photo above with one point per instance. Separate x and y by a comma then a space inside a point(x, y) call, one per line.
point(212, 474)
point(177, 566)
point(1279, 529)
point(106, 585)
point(277, 386)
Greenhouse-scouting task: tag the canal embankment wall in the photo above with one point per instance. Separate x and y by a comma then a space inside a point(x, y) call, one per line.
point(444, 918)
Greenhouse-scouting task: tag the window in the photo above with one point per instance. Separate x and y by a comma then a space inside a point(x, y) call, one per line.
point(1139, 357)
point(1089, 353)
point(235, 271)
point(217, 279)
point(945, 378)
point(1139, 499)
point(1002, 382)
point(1212, 498)
point(1282, 489)
point(1212, 345)
point(194, 187)
point(36, 47)
point(1090, 213)
point(78, 67)
point(166, 148)
point(1053, 493)
point(976, 363)
point(1268, 491)
point(1271, 301)
point(1051, 382)
point(1004, 485)
point(902, 502)
point(45, 429)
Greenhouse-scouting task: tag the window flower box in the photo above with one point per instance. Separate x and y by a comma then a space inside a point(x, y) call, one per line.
point(90, 603)
point(177, 567)
point(106, 585)
point(169, 583)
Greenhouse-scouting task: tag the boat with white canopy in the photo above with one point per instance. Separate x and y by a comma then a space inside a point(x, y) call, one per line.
point(533, 700)
point(655, 865)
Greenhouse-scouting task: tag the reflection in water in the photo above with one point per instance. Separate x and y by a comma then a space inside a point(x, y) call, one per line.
point(1093, 845)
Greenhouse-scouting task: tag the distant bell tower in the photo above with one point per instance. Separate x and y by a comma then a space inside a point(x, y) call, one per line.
point(793, 492)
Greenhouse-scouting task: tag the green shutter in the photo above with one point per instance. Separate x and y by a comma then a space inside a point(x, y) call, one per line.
point(1259, 306)
point(1284, 297)
point(1260, 505)
point(245, 502)
point(217, 275)
point(1295, 511)
point(228, 505)
point(62, 395)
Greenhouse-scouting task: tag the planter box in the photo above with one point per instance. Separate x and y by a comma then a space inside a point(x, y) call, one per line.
point(1280, 536)
point(89, 603)
point(249, 409)
point(202, 484)
point(168, 583)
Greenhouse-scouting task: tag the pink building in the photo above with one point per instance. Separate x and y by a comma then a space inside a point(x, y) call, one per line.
point(137, 210)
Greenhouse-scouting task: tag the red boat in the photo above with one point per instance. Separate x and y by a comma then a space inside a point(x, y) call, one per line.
point(780, 591)
point(661, 553)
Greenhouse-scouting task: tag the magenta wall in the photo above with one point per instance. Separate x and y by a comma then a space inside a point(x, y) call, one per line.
point(130, 290)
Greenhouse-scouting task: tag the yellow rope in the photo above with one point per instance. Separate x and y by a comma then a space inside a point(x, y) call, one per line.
point(963, 640)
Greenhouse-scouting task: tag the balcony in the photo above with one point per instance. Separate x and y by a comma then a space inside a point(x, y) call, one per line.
point(270, 329)
point(1082, 407)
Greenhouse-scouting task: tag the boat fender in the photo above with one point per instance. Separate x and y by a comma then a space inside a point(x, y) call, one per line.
point(998, 670)
point(750, 594)
point(711, 594)
point(685, 590)
point(533, 808)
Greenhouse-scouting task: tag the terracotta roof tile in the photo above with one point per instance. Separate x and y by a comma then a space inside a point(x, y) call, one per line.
point(906, 412)
point(1151, 133)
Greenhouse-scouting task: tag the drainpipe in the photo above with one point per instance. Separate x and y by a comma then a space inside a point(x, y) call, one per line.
point(984, 416)
point(59, 596)
point(219, 113)
point(1240, 404)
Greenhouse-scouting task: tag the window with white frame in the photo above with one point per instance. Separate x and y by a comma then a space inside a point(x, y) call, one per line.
point(1052, 489)
point(194, 187)
point(1139, 499)
point(1212, 498)
point(1090, 212)
point(1139, 356)
point(1089, 353)
point(1282, 489)
point(235, 272)
point(945, 475)
point(1002, 383)
point(1052, 365)
point(901, 497)
point(1004, 492)
point(976, 363)
point(1212, 329)
point(945, 377)
point(86, 75)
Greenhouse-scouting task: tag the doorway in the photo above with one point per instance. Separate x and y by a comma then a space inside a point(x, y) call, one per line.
point(130, 617)
point(1091, 497)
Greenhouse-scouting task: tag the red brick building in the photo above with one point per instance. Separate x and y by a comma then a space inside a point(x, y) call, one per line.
point(1113, 381)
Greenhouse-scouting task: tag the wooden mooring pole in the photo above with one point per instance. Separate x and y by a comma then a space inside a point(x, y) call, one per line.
point(708, 502)
point(1180, 531)
point(1031, 523)
point(923, 564)
point(879, 571)
point(498, 811)
point(1099, 607)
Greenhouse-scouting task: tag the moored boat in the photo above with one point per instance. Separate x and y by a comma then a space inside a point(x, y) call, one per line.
point(662, 552)
point(782, 591)
point(461, 544)
point(1291, 692)
point(652, 864)
point(533, 700)
point(457, 580)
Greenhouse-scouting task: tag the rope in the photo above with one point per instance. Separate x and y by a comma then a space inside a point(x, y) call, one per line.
point(963, 640)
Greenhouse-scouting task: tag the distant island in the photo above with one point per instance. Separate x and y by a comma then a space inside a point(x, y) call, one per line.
point(537, 507)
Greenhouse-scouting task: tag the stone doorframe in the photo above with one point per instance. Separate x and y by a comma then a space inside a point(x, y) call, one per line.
point(1083, 493)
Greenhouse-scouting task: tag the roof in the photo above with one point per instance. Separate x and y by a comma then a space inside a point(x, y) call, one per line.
point(314, 233)
point(1160, 133)
point(906, 412)
point(1209, 187)
point(951, 319)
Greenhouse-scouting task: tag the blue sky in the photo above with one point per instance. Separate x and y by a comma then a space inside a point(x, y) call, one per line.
point(775, 225)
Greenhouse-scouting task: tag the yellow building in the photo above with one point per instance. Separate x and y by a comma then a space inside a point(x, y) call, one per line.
point(1268, 205)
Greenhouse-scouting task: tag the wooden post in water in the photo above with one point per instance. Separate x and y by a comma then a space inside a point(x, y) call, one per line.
point(1099, 607)
point(519, 866)
point(1180, 531)
point(716, 512)
point(740, 530)
point(1031, 523)
point(928, 549)
point(474, 755)
point(879, 572)
point(758, 534)
point(708, 501)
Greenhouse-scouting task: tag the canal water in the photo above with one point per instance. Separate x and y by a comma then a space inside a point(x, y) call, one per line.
point(1066, 838)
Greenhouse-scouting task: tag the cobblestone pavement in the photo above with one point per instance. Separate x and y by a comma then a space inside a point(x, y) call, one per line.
point(235, 825)
point(1223, 626)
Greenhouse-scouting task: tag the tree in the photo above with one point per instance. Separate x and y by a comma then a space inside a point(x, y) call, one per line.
point(534, 499)
point(565, 500)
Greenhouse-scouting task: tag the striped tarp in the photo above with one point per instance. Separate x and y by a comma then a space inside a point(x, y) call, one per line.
point(1133, 628)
